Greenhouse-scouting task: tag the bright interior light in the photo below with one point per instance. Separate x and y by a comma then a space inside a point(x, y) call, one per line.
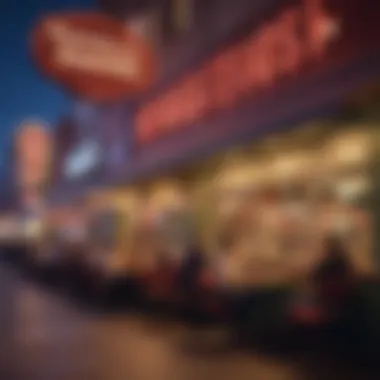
point(167, 194)
point(34, 229)
point(240, 176)
point(352, 149)
point(127, 201)
point(353, 188)
point(285, 166)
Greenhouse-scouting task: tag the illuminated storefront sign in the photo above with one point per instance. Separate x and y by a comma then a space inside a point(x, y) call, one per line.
point(80, 50)
point(83, 159)
point(33, 155)
point(93, 56)
point(297, 42)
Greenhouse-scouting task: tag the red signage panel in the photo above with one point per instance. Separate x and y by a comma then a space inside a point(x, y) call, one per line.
point(305, 39)
point(93, 56)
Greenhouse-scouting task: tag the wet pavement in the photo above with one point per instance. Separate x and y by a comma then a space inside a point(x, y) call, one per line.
point(44, 336)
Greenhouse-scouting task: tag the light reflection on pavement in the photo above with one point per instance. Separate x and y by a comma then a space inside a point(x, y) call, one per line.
point(44, 337)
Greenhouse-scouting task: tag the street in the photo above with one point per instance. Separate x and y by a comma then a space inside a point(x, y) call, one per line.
point(44, 336)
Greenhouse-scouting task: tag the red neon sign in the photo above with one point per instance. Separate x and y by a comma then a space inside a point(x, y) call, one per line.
point(300, 35)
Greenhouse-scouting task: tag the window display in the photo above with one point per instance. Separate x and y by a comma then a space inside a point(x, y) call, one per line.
point(172, 221)
point(113, 217)
point(276, 219)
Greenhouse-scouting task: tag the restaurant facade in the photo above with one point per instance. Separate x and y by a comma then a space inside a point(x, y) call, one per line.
point(283, 112)
point(304, 65)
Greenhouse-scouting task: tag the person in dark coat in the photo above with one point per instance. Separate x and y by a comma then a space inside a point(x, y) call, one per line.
point(189, 275)
point(333, 279)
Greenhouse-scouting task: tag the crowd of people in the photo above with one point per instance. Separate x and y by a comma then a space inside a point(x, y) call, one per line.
point(263, 240)
point(312, 242)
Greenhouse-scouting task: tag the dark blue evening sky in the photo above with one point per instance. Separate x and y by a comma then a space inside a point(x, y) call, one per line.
point(24, 92)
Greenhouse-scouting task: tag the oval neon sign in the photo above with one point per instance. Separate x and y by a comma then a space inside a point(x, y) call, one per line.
point(93, 56)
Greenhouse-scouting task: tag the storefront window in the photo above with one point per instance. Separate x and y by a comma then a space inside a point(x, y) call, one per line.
point(104, 230)
point(276, 206)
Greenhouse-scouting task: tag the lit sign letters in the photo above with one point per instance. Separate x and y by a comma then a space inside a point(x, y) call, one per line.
point(300, 35)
